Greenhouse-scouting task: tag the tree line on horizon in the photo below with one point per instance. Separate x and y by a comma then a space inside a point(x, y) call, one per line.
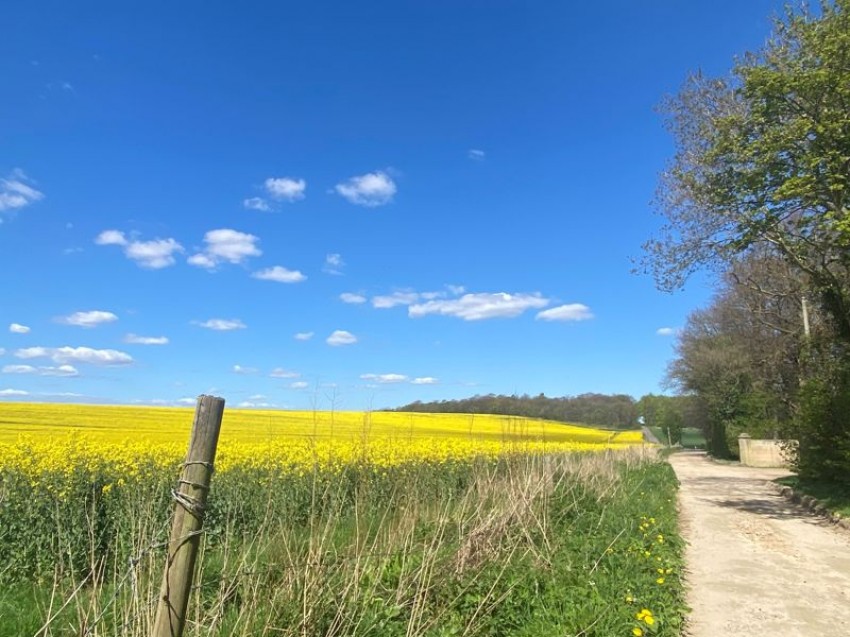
point(619, 411)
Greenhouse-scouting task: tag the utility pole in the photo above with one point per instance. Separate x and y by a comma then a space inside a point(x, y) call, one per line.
point(806, 330)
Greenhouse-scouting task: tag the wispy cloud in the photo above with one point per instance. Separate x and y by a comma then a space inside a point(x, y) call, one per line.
point(411, 297)
point(225, 245)
point(280, 372)
point(17, 328)
point(476, 154)
point(252, 404)
point(384, 378)
point(277, 189)
point(396, 298)
point(303, 336)
point(61, 370)
point(279, 274)
point(333, 264)
point(239, 369)
point(568, 312)
point(16, 192)
point(667, 331)
point(351, 297)
point(341, 337)
point(13, 392)
point(151, 255)
point(257, 203)
point(88, 319)
point(67, 355)
point(299, 384)
point(370, 190)
point(221, 325)
point(477, 307)
point(425, 380)
point(135, 339)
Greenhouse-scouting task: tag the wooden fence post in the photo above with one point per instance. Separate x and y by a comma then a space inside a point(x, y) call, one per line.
point(191, 498)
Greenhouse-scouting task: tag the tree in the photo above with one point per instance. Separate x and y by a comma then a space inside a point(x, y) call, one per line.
point(763, 163)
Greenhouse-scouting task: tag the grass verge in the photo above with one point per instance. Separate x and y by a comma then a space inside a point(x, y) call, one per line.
point(577, 544)
point(834, 497)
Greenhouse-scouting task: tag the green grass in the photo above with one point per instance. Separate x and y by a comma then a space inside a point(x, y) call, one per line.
point(834, 497)
point(528, 546)
point(692, 437)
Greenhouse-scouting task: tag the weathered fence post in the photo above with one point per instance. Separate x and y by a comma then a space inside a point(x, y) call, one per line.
point(191, 498)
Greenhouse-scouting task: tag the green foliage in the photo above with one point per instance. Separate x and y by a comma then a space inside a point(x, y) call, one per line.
point(762, 162)
point(823, 429)
point(834, 496)
point(618, 411)
point(524, 546)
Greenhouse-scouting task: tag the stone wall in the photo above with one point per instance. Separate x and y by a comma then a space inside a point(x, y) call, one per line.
point(765, 453)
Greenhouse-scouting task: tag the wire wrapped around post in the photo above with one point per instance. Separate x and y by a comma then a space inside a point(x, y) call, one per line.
point(190, 499)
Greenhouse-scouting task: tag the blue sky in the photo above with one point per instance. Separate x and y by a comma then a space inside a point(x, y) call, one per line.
point(340, 205)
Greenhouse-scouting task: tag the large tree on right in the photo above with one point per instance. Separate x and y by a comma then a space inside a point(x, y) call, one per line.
point(763, 163)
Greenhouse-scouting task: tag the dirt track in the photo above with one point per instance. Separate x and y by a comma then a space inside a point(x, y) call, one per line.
point(757, 564)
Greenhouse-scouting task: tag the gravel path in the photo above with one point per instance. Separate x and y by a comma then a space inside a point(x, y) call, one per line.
point(757, 564)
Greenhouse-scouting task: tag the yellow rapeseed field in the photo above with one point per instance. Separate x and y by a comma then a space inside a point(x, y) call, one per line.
point(51, 438)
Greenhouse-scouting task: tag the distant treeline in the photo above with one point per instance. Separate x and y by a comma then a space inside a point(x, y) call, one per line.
point(618, 411)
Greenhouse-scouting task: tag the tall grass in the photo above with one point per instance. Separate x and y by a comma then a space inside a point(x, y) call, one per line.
point(524, 545)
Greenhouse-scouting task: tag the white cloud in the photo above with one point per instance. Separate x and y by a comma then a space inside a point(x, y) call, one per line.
point(201, 261)
point(186, 401)
point(456, 290)
point(88, 319)
point(257, 203)
point(476, 154)
point(666, 331)
point(66, 355)
point(303, 336)
point(384, 378)
point(15, 193)
point(280, 275)
point(351, 297)
point(225, 245)
point(155, 254)
point(13, 392)
point(17, 328)
point(257, 397)
point(135, 339)
point(279, 372)
point(476, 307)
point(341, 337)
point(222, 325)
point(370, 190)
point(568, 312)
point(151, 255)
point(425, 380)
point(285, 188)
point(394, 299)
point(19, 369)
point(111, 238)
point(238, 369)
point(61, 370)
point(299, 384)
point(333, 264)
point(250, 404)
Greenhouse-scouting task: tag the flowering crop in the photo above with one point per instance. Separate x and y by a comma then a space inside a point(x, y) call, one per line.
point(38, 438)
point(75, 479)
